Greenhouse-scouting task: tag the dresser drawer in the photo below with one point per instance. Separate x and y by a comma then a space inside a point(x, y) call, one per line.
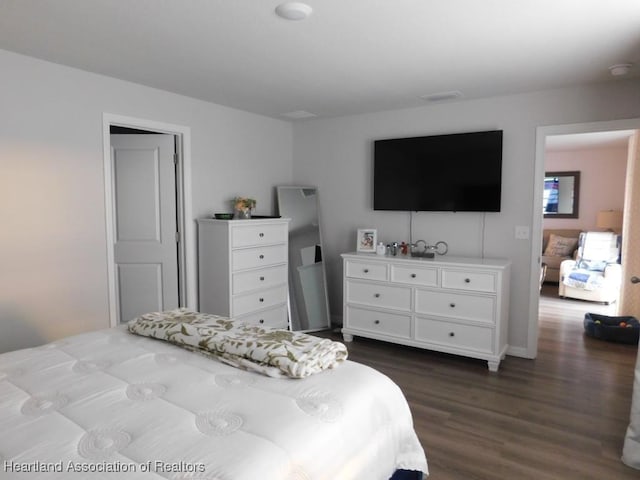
point(259, 234)
point(273, 317)
point(379, 295)
point(472, 281)
point(379, 322)
point(258, 257)
point(250, 302)
point(468, 337)
point(426, 277)
point(456, 305)
point(249, 280)
point(371, 271)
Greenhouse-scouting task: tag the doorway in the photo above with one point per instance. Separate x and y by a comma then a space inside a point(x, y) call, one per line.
point(146, 235)
point(541, 141)
point(141, 283)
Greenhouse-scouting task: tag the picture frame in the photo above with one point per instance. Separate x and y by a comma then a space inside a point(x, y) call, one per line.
point(366, 240)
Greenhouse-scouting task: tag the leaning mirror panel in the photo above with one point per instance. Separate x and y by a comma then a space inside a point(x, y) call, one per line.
point(308, 302)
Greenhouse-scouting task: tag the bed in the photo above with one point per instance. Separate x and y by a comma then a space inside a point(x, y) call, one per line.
point(110, 404)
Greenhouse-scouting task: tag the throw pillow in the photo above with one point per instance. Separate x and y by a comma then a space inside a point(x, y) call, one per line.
point(560, 246)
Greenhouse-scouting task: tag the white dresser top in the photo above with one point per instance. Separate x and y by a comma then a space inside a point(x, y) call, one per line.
point(439, 260)
point(247, 221)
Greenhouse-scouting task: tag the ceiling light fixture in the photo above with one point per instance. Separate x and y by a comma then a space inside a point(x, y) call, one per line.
point(293, 10)
point(620, 69)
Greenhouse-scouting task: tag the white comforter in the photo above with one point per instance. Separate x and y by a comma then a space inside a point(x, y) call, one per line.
point(109, 404)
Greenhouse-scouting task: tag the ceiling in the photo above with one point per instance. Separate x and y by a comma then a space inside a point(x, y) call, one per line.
point(588, 141)
point(348, 57)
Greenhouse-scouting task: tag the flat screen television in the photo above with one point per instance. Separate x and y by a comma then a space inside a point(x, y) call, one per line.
point(460, 172)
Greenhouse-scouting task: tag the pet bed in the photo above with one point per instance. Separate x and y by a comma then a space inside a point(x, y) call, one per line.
point(612, 329)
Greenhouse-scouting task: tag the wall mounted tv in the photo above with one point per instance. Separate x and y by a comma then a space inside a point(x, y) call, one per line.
point(460, 172)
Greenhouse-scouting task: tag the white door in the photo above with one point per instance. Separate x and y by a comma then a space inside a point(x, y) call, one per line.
point(145, 226)
point(630, 295)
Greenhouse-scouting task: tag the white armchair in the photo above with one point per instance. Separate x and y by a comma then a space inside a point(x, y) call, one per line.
point(596, 274)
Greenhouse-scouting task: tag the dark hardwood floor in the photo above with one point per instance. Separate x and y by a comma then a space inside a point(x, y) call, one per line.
point(560, 416)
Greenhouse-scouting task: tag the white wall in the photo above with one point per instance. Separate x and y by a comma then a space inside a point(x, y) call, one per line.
point(53, 272)
point(53, 279)
point(336, 155)
point(602, 180)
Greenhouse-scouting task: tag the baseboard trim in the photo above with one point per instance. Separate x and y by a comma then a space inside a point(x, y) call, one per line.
point(519, 352)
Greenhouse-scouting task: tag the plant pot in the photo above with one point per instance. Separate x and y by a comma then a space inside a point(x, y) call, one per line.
point(242, 214)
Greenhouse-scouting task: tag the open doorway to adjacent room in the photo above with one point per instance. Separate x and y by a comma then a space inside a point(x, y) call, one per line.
point(562, 148)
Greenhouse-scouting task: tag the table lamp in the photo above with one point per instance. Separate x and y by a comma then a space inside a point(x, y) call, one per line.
point(610, 220)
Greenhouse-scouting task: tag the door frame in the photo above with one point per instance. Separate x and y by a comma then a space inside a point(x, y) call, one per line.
point(538, 186)
point(186, 250)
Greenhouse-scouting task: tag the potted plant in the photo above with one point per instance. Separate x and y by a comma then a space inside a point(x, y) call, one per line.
point(242, 207)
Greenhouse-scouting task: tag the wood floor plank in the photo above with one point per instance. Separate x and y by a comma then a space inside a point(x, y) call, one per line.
point(562, 416)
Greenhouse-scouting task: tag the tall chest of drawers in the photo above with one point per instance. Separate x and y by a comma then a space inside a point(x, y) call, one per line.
point(455, 305)
point(243, 269)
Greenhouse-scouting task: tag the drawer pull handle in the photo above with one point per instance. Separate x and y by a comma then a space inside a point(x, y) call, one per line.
point(261, 300)
point(377, 295)
point(413, 275)
point(262, 279)
point(451, 334)
point(261, 234)
point(452, 305)
point(366, 270)
point(261, 320)
point(377, 322)
point(467, 280)
point(261, 257)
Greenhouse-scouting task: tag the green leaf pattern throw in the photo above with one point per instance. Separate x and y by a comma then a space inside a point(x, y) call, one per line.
point(269, 351)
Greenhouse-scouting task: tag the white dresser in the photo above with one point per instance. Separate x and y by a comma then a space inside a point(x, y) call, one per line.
point(243, 269)
point(456, 305)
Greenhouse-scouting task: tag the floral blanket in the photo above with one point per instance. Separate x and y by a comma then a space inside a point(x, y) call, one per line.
point(584, 279)
point(269, 351)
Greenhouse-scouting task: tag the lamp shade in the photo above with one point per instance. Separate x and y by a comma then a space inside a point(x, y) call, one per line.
point(609, 220)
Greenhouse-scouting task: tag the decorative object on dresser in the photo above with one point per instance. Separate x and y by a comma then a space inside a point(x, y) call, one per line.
point(558, 245)
point(308, 300)
point(455, 305)
point(242, 207)
point(243, 269)
point(367, 240)
point(421, 249)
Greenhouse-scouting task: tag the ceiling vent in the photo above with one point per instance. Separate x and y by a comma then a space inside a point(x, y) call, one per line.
point(620, 69)
point(442, 96)
point(299, 114)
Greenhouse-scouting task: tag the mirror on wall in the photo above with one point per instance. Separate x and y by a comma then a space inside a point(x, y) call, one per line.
point(308, 301)
point(561, 194)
